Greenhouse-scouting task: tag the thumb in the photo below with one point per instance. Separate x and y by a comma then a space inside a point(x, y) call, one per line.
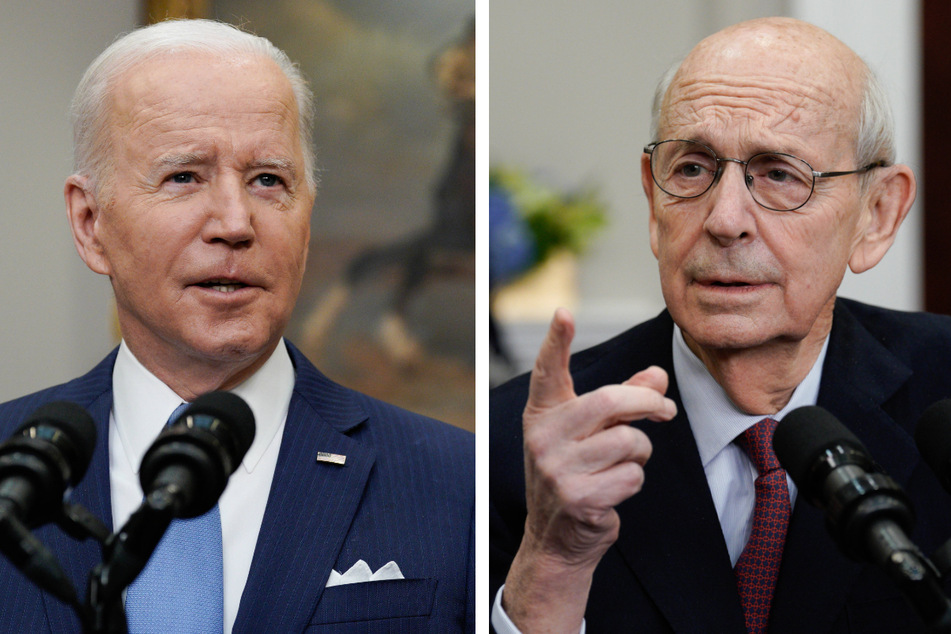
point(551, 382)
point(653, 377)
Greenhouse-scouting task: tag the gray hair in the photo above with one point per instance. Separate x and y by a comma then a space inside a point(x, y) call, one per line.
point(89, 109)
point(875, 129)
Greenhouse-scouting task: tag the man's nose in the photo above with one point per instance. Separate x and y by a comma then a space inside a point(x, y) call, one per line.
point(230, 215)
point(731, 217)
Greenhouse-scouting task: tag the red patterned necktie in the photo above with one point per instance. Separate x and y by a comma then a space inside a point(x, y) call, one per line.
point(758, 566)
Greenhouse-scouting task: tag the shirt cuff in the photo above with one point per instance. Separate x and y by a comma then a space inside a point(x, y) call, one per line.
point(501, 622)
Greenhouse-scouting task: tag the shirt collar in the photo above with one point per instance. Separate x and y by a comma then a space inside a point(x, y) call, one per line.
point(714, 420)
point(142, 403)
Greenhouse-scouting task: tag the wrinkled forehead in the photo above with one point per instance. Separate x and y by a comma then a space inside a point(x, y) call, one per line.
point(787, 83)
point(174, 71)
point(202, 75)
point(185, 99)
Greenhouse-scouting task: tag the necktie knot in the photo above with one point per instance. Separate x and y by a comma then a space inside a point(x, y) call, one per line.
point(757, 442)
point(175, 414)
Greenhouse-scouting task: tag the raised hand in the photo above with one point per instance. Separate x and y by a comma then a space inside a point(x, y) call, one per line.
point(581, 460)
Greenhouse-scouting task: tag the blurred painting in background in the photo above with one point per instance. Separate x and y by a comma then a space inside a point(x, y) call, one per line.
point(388, 302)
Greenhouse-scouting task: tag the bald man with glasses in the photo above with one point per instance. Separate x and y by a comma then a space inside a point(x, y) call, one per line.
point(771, 172)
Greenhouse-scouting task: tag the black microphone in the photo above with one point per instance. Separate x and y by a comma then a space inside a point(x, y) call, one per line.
point(193, 458)
point(867, 513)
point(933, 437)
point(46, 454)
point(183, 474)
point(834, 472)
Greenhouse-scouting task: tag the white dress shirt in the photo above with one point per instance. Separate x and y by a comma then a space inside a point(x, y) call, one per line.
point(715, 422)
point(141, 407)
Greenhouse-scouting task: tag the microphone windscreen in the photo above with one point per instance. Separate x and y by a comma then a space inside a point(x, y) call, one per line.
point(70, 428)
point(803, 435)
point(231, 409)
point(933, 437)
point(199, 451)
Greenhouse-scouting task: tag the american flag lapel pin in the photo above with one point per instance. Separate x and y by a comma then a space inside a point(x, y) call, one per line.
point(332, 458)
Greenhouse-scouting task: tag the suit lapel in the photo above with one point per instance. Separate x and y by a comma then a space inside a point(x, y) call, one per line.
point(671, 536)
point(858, 378)
point(310, 506)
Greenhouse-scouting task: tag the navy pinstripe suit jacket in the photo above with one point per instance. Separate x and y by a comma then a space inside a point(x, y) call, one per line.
point(406, 494)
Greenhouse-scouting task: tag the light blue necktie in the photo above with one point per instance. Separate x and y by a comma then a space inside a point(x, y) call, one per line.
point(181, 588)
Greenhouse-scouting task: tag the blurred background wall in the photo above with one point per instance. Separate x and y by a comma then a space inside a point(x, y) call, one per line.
point(571, 91)
point(55, 314)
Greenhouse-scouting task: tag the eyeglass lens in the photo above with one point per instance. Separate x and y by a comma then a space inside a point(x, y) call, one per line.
point(687, 169)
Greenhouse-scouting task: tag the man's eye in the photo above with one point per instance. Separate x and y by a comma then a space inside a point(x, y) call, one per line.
point(691, 170)
point(183, 178)
point(268, 180)
point(778, 175)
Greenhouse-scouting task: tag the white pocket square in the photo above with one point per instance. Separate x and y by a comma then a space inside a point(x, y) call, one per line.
point(360, 573)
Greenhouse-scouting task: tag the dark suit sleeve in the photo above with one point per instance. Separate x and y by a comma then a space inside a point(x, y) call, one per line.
point(506, 479)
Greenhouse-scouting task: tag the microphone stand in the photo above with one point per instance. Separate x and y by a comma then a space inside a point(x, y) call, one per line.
point(38, 563)
point(869, 509)
point(33, 559)
point(913, 573)
point(125, 555)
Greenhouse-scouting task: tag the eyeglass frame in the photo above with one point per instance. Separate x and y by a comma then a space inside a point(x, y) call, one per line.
point(650, 147)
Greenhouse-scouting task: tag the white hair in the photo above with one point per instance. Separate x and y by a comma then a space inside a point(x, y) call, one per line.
point(875, 129)
point(90, 108)
point(875, 137)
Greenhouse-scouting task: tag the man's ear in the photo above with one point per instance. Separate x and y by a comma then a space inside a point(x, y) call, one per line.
point(889, 199)
point(647, 182)
point(82, 208)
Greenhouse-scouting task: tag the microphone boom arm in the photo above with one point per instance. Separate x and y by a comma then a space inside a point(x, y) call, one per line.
point(126, 554)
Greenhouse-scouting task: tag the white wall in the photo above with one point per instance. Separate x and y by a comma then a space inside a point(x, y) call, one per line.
point(886, 33)
point(571, 90)
point(54, 312)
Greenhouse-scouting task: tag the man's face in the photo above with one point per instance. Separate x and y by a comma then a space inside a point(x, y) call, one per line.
point(204, 224)
point(733, 274)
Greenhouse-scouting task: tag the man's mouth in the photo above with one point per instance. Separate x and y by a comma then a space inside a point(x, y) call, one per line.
point(222, 285)
point(718, 283)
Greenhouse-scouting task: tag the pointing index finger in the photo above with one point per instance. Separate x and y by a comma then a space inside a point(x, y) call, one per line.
point(551, 383)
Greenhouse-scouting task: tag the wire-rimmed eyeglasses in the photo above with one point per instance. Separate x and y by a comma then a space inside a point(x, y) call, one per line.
point(777, 181)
